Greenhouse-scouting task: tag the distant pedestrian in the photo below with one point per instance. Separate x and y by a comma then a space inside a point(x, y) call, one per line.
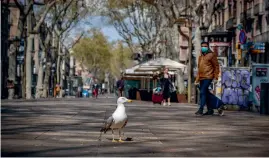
point(79, 93)
point(120, 86)
point(57, 90)
point(167, 87)
point(95, 88)
point(208, 70)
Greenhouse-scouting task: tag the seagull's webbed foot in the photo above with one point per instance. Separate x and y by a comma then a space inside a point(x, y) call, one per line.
point(114, 140)
point(120, 140)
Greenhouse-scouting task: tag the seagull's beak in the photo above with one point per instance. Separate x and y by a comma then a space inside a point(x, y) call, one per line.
point(129, 101)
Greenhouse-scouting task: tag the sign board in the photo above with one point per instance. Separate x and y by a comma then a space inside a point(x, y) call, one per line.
point(260, 75)
point(180, 21)
point(258, 47)
point(183, 42)
point(239, 54)
point(219, 47)
point(242, 37)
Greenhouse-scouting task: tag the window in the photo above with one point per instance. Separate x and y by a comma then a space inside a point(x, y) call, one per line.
point(234, 9)
point(267, 19)
point(216, 20)
point(223, 18)
point(230, 10)
point(259, 24)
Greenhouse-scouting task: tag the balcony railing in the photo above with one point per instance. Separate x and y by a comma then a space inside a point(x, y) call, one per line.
point(259, 8)
point(256, 9)
point(262, 37)
point(249, 14)
point(248, 1)
point(231, 23)
point(218, 28)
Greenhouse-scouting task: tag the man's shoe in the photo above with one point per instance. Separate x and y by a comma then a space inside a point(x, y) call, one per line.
point(221, 112)
point(199, 112)
point(209, 112)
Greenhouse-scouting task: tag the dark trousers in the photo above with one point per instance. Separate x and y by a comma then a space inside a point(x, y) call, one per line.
point(204, 92)
point(120, 93)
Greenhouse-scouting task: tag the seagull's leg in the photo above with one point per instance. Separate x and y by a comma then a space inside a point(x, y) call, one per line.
point(113, 140)
point(120, 136)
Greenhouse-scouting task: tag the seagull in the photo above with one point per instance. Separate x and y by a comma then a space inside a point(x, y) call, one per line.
point(118, 120)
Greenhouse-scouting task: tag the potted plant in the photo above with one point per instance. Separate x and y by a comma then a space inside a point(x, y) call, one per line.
point(182, 96)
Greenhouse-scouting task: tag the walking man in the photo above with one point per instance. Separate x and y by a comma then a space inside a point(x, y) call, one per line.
point(208, 71)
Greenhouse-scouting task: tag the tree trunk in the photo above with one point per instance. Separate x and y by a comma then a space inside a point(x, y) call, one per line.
point(29, 67)
point(62, 74)
point(11, 69)
point(46, 80)
point(39, 86)
point(197, 43)
point(180, 82)
point(28, 60)
point(58, 68)
point(59, 62)
point(36, 58)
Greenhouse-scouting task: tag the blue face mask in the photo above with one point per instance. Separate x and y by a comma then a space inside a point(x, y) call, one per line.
point(204, 49)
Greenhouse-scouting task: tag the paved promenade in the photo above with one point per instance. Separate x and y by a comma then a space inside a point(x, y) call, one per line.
point(70, 127)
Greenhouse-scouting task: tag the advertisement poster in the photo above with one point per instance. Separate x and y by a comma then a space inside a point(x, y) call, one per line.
point(235, 83)
point(260, 75)
point(222, 63)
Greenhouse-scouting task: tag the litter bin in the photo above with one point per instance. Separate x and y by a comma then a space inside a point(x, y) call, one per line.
point(264, 102)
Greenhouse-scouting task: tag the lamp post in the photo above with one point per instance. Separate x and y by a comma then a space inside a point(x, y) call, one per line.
point(16, 42)
point(52, 79)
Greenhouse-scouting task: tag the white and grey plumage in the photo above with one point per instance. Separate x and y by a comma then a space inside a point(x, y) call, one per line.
point(118, 120)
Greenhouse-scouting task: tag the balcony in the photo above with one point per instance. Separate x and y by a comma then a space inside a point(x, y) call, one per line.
point(264, 37)
point(249, 14)
point(259, 9)
point(231, 23)
point(256, 9)
point(219, 6)
point(218, 28)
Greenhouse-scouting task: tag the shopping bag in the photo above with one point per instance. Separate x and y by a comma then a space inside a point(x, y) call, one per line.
point(213, 101)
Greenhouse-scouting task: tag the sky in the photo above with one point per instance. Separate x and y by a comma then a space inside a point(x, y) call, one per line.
point(108, 30)
point(98, 22)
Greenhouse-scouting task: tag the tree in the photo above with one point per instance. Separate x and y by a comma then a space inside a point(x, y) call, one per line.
point(92, 51)
point(62, 17)
point(31, 31)
point(120, 60)
point(24, 12)
point(136, 21)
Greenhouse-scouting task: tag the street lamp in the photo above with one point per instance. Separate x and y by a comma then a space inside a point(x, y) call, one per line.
point(16, 82)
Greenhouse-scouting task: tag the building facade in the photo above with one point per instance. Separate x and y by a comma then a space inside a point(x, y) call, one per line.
point(5, 22)
point(253, 15)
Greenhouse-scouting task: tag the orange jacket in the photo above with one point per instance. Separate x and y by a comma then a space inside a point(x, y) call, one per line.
point(208, 67)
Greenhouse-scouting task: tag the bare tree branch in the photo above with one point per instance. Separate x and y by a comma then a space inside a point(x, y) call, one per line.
point(43, 16)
